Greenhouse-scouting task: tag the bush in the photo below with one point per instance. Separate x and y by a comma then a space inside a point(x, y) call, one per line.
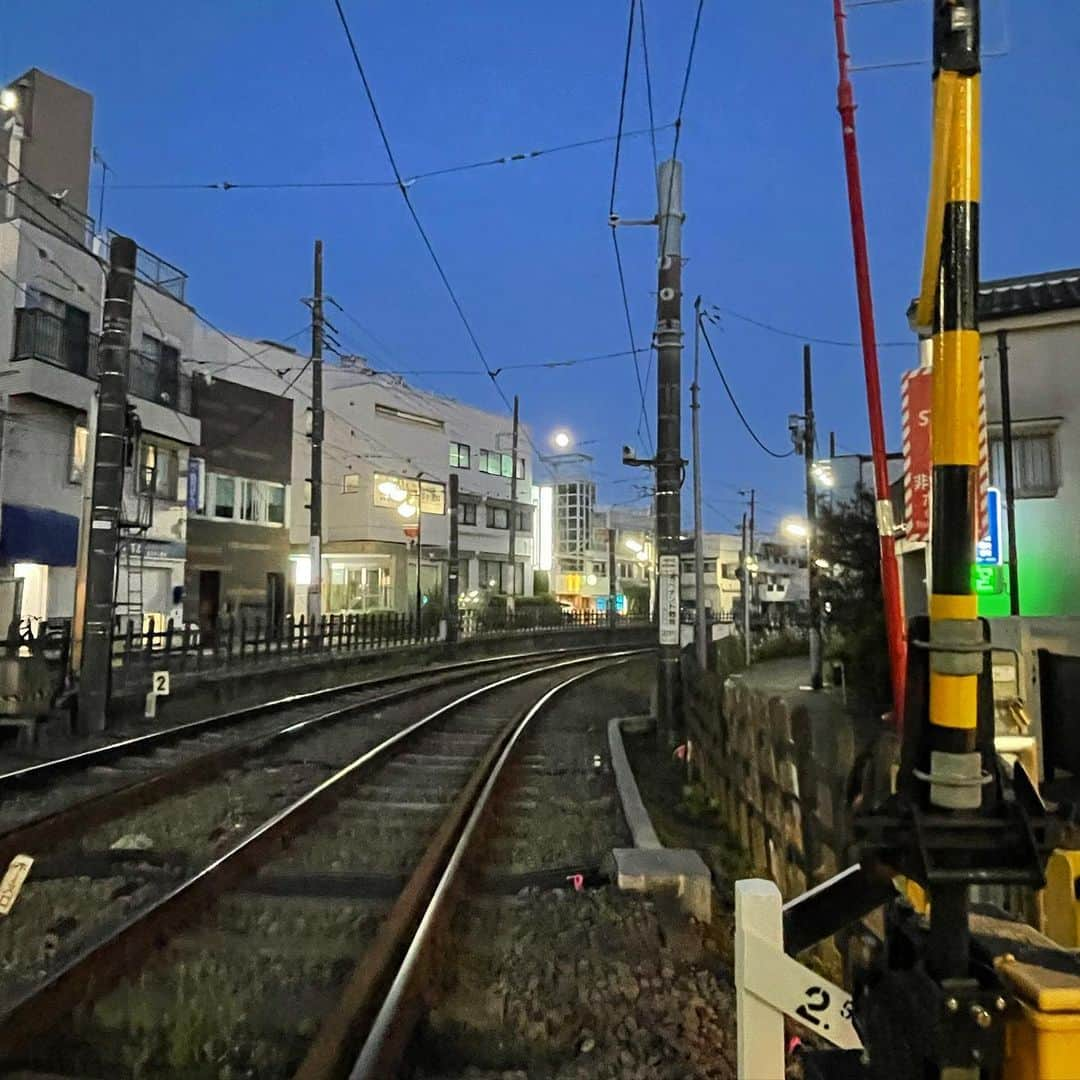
point(786, 643)
point(545, 601)
point(541, 582)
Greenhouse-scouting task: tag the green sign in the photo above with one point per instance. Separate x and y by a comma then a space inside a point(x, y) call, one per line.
point(987, 580)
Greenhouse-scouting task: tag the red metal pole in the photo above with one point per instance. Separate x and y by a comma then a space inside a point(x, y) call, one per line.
point(890, 575)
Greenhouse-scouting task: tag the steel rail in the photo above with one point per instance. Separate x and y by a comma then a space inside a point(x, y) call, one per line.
point(127, 949)
point(387, 1037)
point(43, 773)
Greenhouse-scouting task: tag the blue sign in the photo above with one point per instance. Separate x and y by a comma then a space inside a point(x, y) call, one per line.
point(620, 603)
point(988, 549)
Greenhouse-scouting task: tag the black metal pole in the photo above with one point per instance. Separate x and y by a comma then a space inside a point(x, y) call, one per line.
point(419, 549)
point(108, 486)
point(612, 588)
point(668, 444)
point(816, 681)
point(452, 571)
point(1010, 478)
point(513, 509)
point(314, 604)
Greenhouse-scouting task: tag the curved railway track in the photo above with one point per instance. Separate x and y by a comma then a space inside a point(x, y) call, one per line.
point(368, 850)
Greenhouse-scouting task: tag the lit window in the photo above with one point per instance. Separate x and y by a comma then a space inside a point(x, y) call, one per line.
point(79, 442)
point(459, 455)
point(159, 469)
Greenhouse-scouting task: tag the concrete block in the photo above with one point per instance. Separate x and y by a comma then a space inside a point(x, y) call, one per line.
point(679, 869)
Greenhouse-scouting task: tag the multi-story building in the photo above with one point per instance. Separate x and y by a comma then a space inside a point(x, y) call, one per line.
point(51, 294)
point(1030, 326)
point(239, 479)
point(388, 444)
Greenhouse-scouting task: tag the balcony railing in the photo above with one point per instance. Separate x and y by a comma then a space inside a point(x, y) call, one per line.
point(155, 271)
point(40, 335)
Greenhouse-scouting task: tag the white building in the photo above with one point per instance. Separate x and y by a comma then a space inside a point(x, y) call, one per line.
point(51, 292)
point(383, 436)
point(1035, 319)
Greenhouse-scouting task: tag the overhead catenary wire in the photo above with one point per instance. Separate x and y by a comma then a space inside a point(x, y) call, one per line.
point(723, 378)
point(648, 83)
point(772, 329)
point(286, 185)
point(643, 415)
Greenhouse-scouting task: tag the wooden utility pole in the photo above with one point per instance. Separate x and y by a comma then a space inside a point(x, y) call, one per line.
point(108, 486)
point(314, 599)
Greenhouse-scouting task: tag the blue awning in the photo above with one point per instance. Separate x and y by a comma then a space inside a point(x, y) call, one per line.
point(34, 534)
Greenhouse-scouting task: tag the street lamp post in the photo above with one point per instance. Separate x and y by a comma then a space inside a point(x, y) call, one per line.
point(407, 509)
point(803, 531)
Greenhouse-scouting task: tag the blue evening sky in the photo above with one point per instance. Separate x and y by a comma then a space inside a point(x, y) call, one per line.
point(253, 92)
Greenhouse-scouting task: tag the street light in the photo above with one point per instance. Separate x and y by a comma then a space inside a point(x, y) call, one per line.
point(795, 527)
point(634, 546)
point(561, 439)
point(9, 100)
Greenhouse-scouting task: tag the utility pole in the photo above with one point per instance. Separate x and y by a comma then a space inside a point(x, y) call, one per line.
point(611, 589)
point(314, 604)
point(513, 510)
point(701, 644)
point(108, 485)
point(419, 547)
point(744, 559)
point(452, 572)
point(669, 463)
point(812, 575)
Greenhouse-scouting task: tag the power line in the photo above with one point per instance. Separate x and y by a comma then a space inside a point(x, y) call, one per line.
point(723, 379)
point(403, 188)
point(296, 185)
point(643, 416)
point(648, 84)
point(678, 134)
point(761, 325)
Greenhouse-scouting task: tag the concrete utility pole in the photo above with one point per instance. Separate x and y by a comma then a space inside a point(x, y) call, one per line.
point(108, 485)
point(811, 523)
point(452, 564)
point(513, 509)
point(744, 558)
point(611, 588)
point(701, 644)
point(669, 463)
point(314, 599)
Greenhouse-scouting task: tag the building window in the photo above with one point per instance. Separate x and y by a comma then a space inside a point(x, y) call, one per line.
point(275, 503)
point(386, 487)
point(350, 483)
point(730, 571)
point(710, 566)
point(459, 455)
point(600, 569)
point(393, 413)
point(79, 440)
point(159, 468)
point(223, 500)
point(468, 513)
point(249, 500)
point(498, 517)
point(1036, 474)
point(490, 574)
point(521, 468)
point(154, 373)
point(523, 520)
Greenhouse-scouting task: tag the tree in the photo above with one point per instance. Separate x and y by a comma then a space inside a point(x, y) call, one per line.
point(851, 587)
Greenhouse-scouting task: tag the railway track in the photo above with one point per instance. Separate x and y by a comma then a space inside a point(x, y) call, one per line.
point(264, 938)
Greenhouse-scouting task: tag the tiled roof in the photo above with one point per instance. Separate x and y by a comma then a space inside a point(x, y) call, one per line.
point(1030, 295)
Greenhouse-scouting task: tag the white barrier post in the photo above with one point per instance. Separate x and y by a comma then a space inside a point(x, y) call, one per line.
point(758, 912)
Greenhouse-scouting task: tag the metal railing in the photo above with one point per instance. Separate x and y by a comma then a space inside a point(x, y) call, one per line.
point(237, 642)
point(156, 271)
point(40, 335)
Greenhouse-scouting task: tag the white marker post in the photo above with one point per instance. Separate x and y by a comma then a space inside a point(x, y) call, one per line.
point(159, 687)
point(770, 984)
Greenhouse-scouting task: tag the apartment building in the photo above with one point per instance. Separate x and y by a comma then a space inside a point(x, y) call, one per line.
point(387, 445)
point(51, 294)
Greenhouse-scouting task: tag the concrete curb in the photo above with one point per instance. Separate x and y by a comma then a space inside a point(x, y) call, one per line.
point(649, 866)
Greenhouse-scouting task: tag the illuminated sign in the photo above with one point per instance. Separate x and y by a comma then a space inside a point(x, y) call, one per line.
point(987, 579)
point(669, 599)
point(988, 549)
point(544, 529)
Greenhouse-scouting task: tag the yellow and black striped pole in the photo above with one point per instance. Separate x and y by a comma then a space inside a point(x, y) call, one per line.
point(956, 658)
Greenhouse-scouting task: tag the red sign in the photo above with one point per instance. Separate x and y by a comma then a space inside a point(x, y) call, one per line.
point(411, 531)
point(918, 460)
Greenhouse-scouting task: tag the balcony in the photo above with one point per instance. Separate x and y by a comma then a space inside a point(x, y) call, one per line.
point(155, 271)
point(40, 335)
